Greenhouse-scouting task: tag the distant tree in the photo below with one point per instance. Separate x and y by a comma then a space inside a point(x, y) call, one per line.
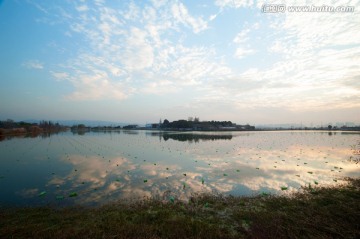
point(81, 126)
point(329, 127)
point(180, 124)
point(166, 122)
point(8, 124)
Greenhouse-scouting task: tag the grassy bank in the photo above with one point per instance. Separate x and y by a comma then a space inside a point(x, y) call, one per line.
point(314, 213)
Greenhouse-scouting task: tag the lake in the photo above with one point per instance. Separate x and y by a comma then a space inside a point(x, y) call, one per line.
point(101, 167)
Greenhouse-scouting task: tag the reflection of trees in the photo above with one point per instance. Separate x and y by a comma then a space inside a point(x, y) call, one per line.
point(28, 135)
point(79, 132)
point(189, 137)
point(131, 132)
point(196, 137)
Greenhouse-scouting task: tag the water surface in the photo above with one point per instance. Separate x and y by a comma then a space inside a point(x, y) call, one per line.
point(97, 168)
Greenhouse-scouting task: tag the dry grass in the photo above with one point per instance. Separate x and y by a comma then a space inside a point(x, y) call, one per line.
point(313, 213)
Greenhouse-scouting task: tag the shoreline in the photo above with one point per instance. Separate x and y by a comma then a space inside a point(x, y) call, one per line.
point(320, 212)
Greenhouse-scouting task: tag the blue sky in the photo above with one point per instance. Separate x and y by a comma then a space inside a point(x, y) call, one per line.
point(139, 61)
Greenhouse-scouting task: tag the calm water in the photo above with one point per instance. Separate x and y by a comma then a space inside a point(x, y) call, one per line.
point(105, 167)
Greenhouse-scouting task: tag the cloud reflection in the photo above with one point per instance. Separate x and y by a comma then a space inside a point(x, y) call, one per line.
point(259, 162)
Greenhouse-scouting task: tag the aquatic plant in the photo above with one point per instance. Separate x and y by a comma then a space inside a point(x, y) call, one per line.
point(43, 193)
point(73, 194)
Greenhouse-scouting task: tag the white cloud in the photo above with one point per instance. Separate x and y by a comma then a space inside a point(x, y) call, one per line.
point(98, 86)
point(315, 70)
point(60, 75)
point(212, 17)
point(242, 36)
point(138, 53)
point(159, 3)
point(241, 40)
point(145, 50)
point(242, 52)
point(182, 15)
point(33, 64)
point(82, 8)
point(130, 51)
point(234, 3)
point(132, 13)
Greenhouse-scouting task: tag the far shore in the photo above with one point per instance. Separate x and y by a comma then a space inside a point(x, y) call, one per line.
point(22, 133)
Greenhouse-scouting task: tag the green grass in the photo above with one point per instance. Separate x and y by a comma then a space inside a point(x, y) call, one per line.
point(317, 212)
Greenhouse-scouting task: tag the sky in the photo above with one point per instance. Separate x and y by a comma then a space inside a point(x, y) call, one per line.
point(139, 61)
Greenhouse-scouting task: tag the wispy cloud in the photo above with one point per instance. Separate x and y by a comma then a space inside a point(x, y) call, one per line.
point(243, 52)
point(304, 61)
point(82, 8)
point(126, 54)
point(60, 75)
point(181, 15)
point(33, 64)
point(316, 52)
point(234, 3)
point(138, 53)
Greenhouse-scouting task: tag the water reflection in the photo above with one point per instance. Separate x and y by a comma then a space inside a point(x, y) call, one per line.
point(28, 135)
point(131, 132)
point(190, 137)
point(195, 137)
point(100, 169)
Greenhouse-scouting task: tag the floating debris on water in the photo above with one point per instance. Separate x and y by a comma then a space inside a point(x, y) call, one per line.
point(73, 195)
point(43, 193)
